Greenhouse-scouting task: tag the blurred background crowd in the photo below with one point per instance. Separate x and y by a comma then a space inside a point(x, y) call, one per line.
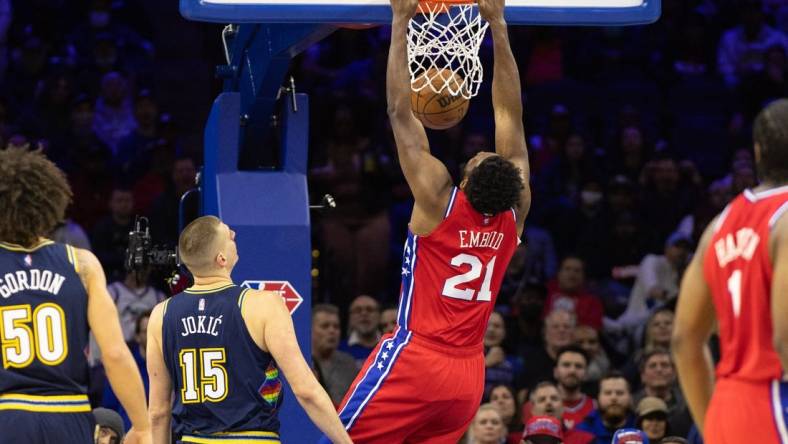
point(637, 136)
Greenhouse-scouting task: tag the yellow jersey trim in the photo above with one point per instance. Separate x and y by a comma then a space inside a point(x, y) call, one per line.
point(209, 288)
point(19, 248)
point(241, 297)
point(49, 404)
point(233, 438)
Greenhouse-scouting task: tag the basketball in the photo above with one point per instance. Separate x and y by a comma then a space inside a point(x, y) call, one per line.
point(438, 110)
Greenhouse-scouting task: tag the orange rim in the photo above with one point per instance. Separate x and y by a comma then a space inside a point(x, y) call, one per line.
point(441, 6)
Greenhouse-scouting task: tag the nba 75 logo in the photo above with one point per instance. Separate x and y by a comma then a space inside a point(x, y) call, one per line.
point(292, 298)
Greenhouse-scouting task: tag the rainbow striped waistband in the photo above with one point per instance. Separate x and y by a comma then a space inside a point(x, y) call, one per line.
point(45, 403)
point(233, 438)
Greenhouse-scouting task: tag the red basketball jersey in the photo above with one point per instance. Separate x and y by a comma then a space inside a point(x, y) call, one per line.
point(451, 277)
point(738, 269)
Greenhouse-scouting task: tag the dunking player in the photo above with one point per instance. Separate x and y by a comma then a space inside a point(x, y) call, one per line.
point(218, 348)
point(50, 294)
point(423, 383)
point(740, 274)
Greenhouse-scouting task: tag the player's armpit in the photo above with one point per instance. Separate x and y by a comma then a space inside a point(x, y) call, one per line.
point(160, 397)
point(779, 302)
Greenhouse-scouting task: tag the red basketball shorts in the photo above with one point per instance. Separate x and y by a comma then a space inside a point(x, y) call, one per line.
point(411, 390)
point(747, 412)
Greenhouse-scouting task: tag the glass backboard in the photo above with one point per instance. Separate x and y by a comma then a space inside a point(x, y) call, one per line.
point(555, 12)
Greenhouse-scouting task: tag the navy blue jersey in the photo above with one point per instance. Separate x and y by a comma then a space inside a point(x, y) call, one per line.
point(44, 329)
point(223, 382)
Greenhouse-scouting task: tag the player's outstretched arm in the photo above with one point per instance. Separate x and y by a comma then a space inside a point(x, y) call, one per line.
point(266, 312)
point(428, 178)
point(120, 366)
point(507, 102)
point(779, 253)
point(160, 408)
point(691, 332)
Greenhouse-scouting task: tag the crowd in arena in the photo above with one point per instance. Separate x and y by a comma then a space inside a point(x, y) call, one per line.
point(637, 136)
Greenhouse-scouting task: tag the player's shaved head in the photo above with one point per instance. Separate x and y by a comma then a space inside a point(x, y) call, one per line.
point(770, 134)
point(198, 243)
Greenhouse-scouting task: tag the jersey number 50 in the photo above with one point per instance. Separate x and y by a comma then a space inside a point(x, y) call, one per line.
point(27, 334)
point(450, 286)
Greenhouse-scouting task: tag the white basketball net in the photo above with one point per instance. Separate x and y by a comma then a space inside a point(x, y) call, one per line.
point(446, 36)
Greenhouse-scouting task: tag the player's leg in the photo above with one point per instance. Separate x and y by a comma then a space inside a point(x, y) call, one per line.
point(20, 426)
point(742, 412)
point(461, 381)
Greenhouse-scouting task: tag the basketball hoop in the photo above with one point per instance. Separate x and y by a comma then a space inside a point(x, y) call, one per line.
point(446, 34)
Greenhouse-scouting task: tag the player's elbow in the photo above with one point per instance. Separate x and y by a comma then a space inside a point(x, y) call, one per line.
point(305, 392)
point(158, 414)
point(115, 355)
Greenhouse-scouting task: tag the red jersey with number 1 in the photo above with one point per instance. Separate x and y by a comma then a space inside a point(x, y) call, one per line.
point(738, 269)
point(451, 277)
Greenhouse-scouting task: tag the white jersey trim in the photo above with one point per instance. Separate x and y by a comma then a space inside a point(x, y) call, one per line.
point(778, 214)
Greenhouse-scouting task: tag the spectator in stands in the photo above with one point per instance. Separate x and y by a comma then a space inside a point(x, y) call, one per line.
point(133, 296)
point(570, 373)
point(568, 292)
point(630, 436)
point(659, 329)
point(657, 283)
point(543, 430)
point(355, 232)
point(335, 369)
point(138, 350)
point(539, 362)
point(134, 150)
point(502, 397)
point(487, 426)
point(363, 333)
point(388, 320)
point(673, 440)
point(653, 418)
point(614, 411)
point(499, 368)
point(588, 339)
point(110, 236)
point(770, 84)
point(743, 48)
point(632, 153)
point(69, 232)
point(658, 376)
point(165, 209)
point(114, 118)
point(664, 201)
point(109, 426)
point(693, 224)
point(545, 400)
point(91, 182)
point(527, 306)
point(534, 260)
